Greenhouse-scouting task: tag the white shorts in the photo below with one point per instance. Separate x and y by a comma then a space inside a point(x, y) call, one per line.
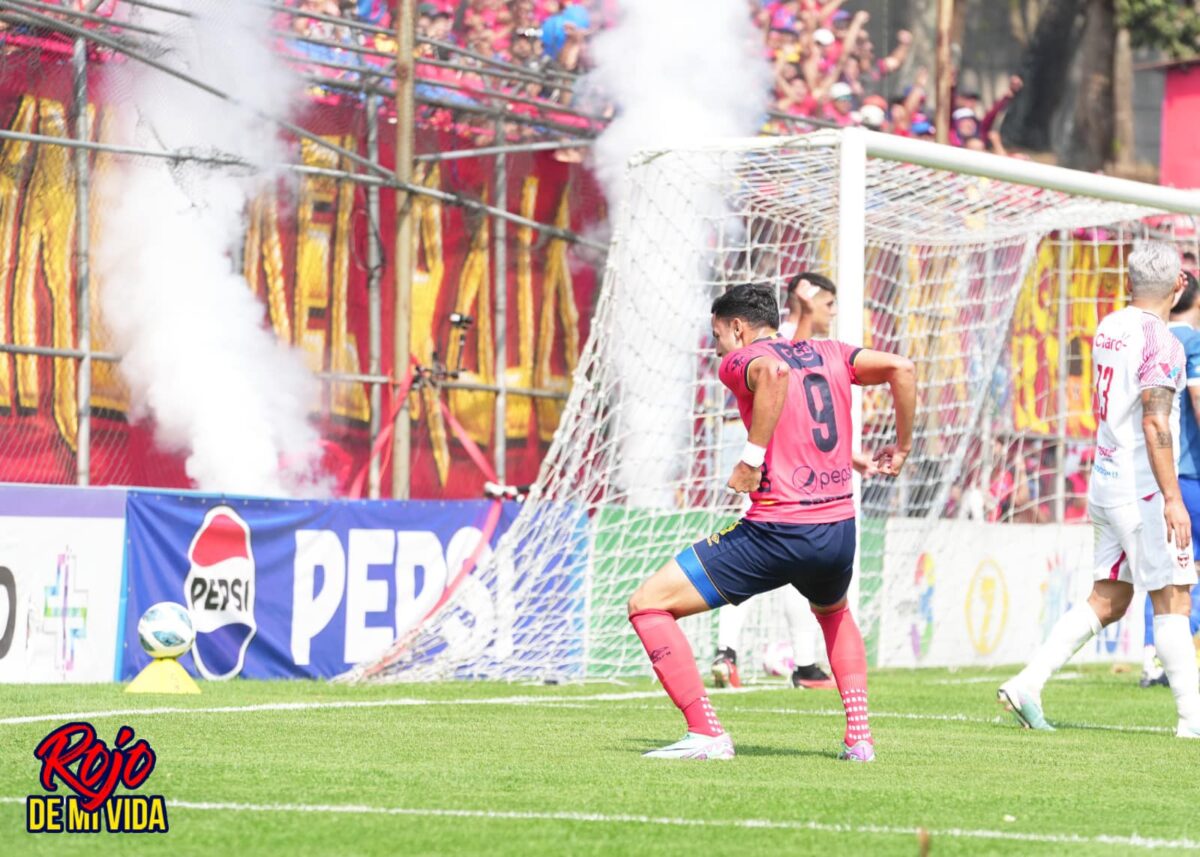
point(1131, 546)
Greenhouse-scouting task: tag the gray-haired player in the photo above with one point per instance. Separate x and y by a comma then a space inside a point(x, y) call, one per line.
point(1143, 533)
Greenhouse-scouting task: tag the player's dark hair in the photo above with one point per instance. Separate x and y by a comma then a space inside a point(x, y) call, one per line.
point(819, 280)
point(1187, 298)
point(754, 303)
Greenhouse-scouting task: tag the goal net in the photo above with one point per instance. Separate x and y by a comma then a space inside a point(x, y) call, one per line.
point(931, 263)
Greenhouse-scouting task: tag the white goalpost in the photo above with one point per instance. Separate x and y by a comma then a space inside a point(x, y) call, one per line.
point(941, 254)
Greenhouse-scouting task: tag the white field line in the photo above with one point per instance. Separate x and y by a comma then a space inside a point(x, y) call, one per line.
point(349, 703)
point(897, 715)
point(900, 715)
point(999, 679)
point(950, 718)
point(1133, 841)
point(540, 701)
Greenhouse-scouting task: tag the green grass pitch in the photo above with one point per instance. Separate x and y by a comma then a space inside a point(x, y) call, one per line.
point(480, 768)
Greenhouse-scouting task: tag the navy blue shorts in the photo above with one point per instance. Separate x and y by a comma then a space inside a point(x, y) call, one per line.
point(752, 557)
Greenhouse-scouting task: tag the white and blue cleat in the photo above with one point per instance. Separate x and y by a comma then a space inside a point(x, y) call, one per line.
point(697, 747)
point(1024, 706)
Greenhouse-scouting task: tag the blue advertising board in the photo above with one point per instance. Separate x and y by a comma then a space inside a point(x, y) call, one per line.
point(292, 588)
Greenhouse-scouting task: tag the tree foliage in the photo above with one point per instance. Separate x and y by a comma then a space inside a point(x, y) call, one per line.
point(1170, 25)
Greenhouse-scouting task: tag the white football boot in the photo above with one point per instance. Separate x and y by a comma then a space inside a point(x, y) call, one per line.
point(696, 746)
point(1187, 730)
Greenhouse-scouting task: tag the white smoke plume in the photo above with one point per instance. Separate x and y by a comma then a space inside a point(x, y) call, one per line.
point(196, 354)
point(681, 75)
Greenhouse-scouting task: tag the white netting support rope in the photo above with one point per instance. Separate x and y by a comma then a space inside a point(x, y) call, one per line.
point(639, 462)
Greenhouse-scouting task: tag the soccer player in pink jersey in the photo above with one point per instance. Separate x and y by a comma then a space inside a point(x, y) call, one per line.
point(811, 309)
point(794, 398)
point(1143, 533)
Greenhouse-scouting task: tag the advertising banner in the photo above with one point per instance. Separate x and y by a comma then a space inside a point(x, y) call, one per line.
point(294, 589)
point(964, 593)
point(304, 256)
point(60, 583)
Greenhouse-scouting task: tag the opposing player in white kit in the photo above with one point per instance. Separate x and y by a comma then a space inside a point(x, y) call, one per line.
point(1142, 530)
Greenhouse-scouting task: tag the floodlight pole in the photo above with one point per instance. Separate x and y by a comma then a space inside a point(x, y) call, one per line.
point(402, 263)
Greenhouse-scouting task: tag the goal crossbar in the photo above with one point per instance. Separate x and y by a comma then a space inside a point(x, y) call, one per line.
point(983, 164)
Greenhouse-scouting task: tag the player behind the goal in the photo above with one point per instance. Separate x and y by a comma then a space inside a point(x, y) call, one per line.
point(1143, 532)
point(794, 398)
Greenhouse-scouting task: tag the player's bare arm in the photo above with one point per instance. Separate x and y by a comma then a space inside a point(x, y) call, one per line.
point(1157, 403)
point(879, 367)
point(768, 380)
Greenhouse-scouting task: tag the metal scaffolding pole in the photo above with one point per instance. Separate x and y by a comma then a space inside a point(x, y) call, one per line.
point(342, 175)
point(81, 15)
point(179, 156)
point(374, 299)
point(530, 392)
point(67, 28)
point(515, 148)
point(403, 259)
point(83, 302)
point(500, 278)
point(70, 353)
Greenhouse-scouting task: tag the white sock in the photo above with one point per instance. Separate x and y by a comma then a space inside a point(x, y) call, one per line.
point(729, 626)
point(1148, 654)
point(803, 627)
point(1070, 632)
point(1173, 636)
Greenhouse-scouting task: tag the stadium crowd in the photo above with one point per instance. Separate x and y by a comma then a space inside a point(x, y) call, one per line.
point(523, 57)
point(825, 64)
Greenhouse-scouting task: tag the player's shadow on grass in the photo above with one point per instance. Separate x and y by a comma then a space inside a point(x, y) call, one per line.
point(765, 750)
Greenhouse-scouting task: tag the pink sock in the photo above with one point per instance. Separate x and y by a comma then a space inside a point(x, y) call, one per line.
point(675, 667)
point(848, 660)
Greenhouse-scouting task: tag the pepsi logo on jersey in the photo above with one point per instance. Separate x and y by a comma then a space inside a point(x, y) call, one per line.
point(808, 480)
